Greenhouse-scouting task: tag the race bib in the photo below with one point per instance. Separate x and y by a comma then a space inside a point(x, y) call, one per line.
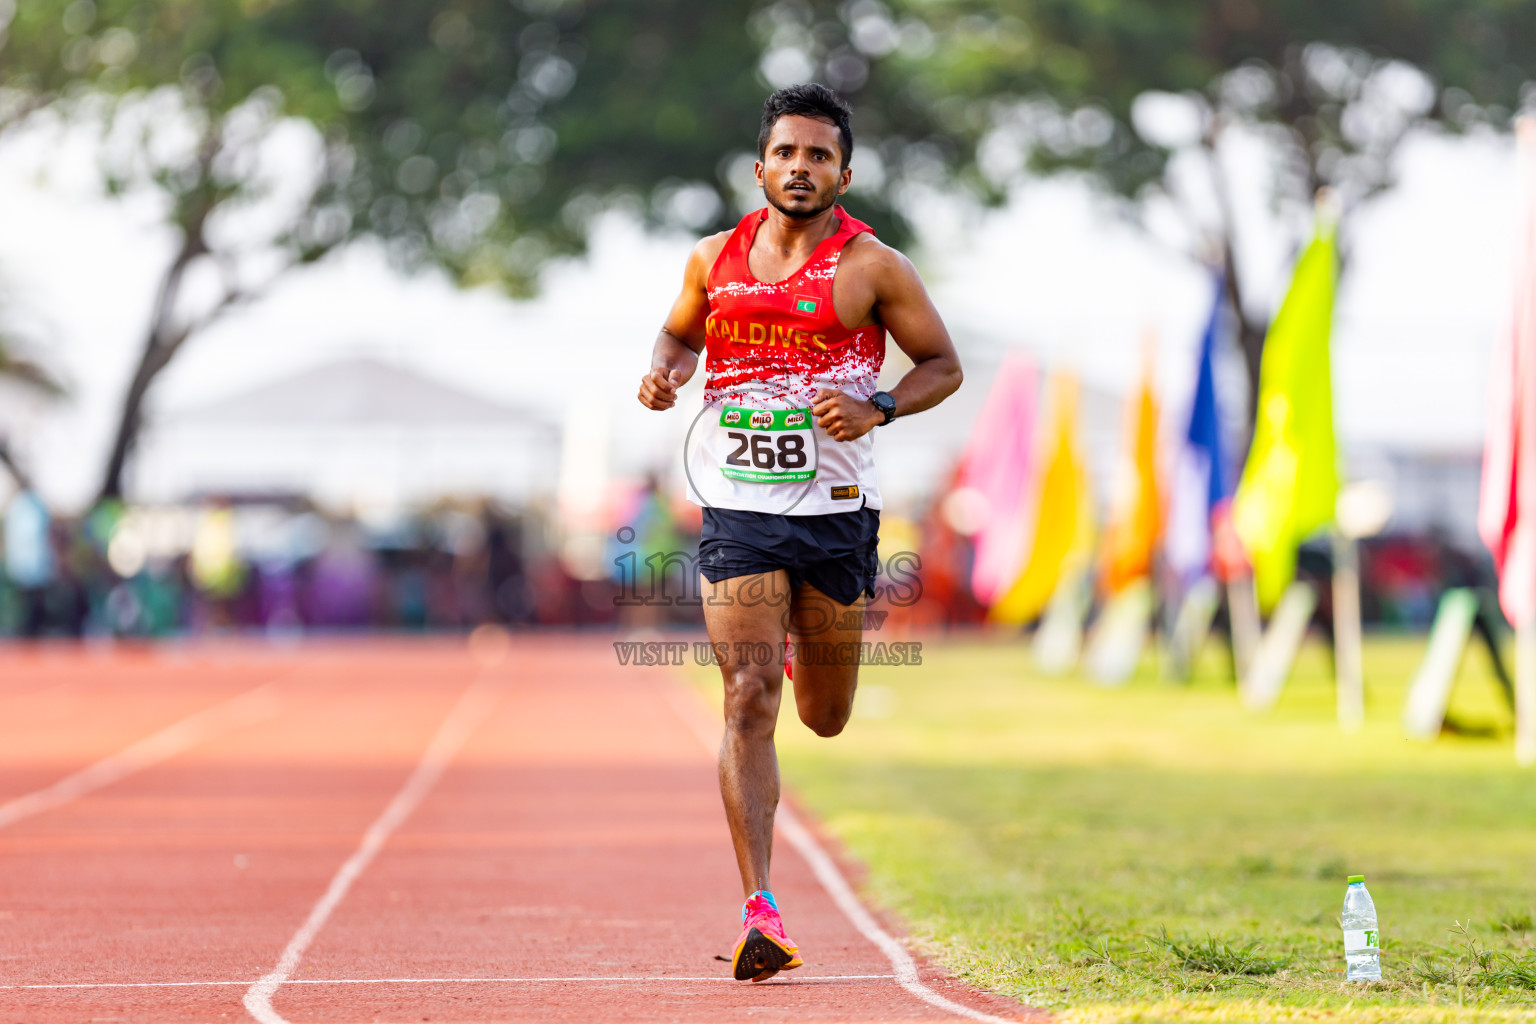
point(767, 446)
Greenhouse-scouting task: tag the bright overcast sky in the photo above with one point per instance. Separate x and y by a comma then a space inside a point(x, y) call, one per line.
point(1054, 272)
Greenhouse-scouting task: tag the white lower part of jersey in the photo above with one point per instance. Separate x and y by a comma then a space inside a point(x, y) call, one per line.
point(762, 467)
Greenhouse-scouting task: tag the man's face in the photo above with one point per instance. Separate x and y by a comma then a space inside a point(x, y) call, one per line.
point(802, 171)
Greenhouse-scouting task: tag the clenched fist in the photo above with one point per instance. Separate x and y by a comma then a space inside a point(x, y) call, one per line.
point(844, 417)
point(658, 389)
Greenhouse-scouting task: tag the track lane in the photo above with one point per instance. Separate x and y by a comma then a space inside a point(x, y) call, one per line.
point(201, 867)
point(571, 864)
point(580, 835)
point(64, 709)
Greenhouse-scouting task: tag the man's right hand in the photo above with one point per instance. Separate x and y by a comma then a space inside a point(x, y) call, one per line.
point(658, 389)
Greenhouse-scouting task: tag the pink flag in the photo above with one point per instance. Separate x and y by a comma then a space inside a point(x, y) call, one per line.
point(995, 468)
point(1506, 515)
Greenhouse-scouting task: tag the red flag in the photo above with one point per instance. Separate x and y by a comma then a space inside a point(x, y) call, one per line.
point(1506, 515)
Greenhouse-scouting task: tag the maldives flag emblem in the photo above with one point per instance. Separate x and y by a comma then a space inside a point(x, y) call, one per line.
point(804, 305)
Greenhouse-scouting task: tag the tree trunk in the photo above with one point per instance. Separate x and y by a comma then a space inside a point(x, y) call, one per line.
point(1250, 333)
point(153, 360)
point(160, 344)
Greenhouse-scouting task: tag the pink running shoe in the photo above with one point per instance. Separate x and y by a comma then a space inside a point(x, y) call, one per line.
point(763, 949)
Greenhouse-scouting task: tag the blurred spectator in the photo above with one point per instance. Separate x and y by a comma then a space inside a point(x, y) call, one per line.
point(29, 561)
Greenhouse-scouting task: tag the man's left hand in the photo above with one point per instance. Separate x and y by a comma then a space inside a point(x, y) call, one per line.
point(844, 417)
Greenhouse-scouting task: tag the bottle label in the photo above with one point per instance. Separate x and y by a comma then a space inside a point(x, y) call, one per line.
point(1355, 939)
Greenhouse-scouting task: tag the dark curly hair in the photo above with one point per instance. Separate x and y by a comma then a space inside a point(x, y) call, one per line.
point(810, 100)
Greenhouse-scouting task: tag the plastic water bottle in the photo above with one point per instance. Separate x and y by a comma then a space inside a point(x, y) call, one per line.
point(1362, 942)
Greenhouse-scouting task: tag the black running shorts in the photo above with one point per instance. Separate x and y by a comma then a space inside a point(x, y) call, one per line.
point(834, 552)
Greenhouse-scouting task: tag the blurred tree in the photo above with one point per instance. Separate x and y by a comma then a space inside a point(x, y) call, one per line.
point(480, 136)
point(1145, 95)
point(19, 370)
point(22, 381)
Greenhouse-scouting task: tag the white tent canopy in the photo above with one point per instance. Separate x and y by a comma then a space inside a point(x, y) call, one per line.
point(359, 433)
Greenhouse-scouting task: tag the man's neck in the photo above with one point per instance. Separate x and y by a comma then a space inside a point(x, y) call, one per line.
point(787, 235)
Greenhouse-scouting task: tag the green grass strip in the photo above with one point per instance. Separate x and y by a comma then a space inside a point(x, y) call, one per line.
point(1155, 853)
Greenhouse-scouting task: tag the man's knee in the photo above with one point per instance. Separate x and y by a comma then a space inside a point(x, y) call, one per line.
point(826, 718)
point(751, 707)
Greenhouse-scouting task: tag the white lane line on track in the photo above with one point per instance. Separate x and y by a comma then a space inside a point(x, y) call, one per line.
point(467, 713)
point(827, 873)
point(239, 711)
point(798, 980)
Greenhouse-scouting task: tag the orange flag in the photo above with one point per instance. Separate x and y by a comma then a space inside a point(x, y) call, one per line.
point(1135, 515)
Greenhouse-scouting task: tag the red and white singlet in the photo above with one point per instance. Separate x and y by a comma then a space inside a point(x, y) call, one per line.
point(769, 348)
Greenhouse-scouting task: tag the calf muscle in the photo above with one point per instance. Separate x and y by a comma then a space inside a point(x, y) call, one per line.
point(746, 616)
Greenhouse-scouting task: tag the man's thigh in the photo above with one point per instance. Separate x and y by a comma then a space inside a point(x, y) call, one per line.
point(827, 636)
point(748, 617)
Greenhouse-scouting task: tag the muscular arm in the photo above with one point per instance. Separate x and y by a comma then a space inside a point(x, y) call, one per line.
point(901, 304)
point(675, 356)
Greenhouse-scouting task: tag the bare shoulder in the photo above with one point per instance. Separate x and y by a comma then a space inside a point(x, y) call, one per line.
point(884, 265)
point(708, 249)
point(871, 255)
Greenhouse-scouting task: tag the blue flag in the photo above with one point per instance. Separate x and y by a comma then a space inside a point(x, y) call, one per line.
point(1202, 483)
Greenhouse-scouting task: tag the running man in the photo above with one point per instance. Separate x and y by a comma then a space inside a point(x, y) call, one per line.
point(792, 307)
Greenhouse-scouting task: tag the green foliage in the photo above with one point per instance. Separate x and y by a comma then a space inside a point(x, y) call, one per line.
point(1062, 78)
point(482, 135)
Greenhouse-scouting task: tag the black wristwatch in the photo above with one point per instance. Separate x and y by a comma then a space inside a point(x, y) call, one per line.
point(885, 404)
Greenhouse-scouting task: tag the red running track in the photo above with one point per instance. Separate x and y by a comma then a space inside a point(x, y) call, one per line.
point(559, 853)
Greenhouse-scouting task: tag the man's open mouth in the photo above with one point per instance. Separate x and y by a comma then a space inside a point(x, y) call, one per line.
point(799, 186)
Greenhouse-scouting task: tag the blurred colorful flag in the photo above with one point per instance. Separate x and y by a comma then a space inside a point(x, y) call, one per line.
point(1063, 534)
point(1135, 517)
point(1291, 480)
point(1202, 480)
point(1506, 515)
point(996, 468)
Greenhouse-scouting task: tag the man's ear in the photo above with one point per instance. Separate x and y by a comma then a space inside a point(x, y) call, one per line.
point(842, 185)
point(757, 171)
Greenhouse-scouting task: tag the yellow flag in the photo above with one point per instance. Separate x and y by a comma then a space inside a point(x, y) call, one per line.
point(1063, 535)
point(1291, 480)
point(1130, 538)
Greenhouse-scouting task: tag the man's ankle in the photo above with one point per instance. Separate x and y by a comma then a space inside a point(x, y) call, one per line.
point(766, 895)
